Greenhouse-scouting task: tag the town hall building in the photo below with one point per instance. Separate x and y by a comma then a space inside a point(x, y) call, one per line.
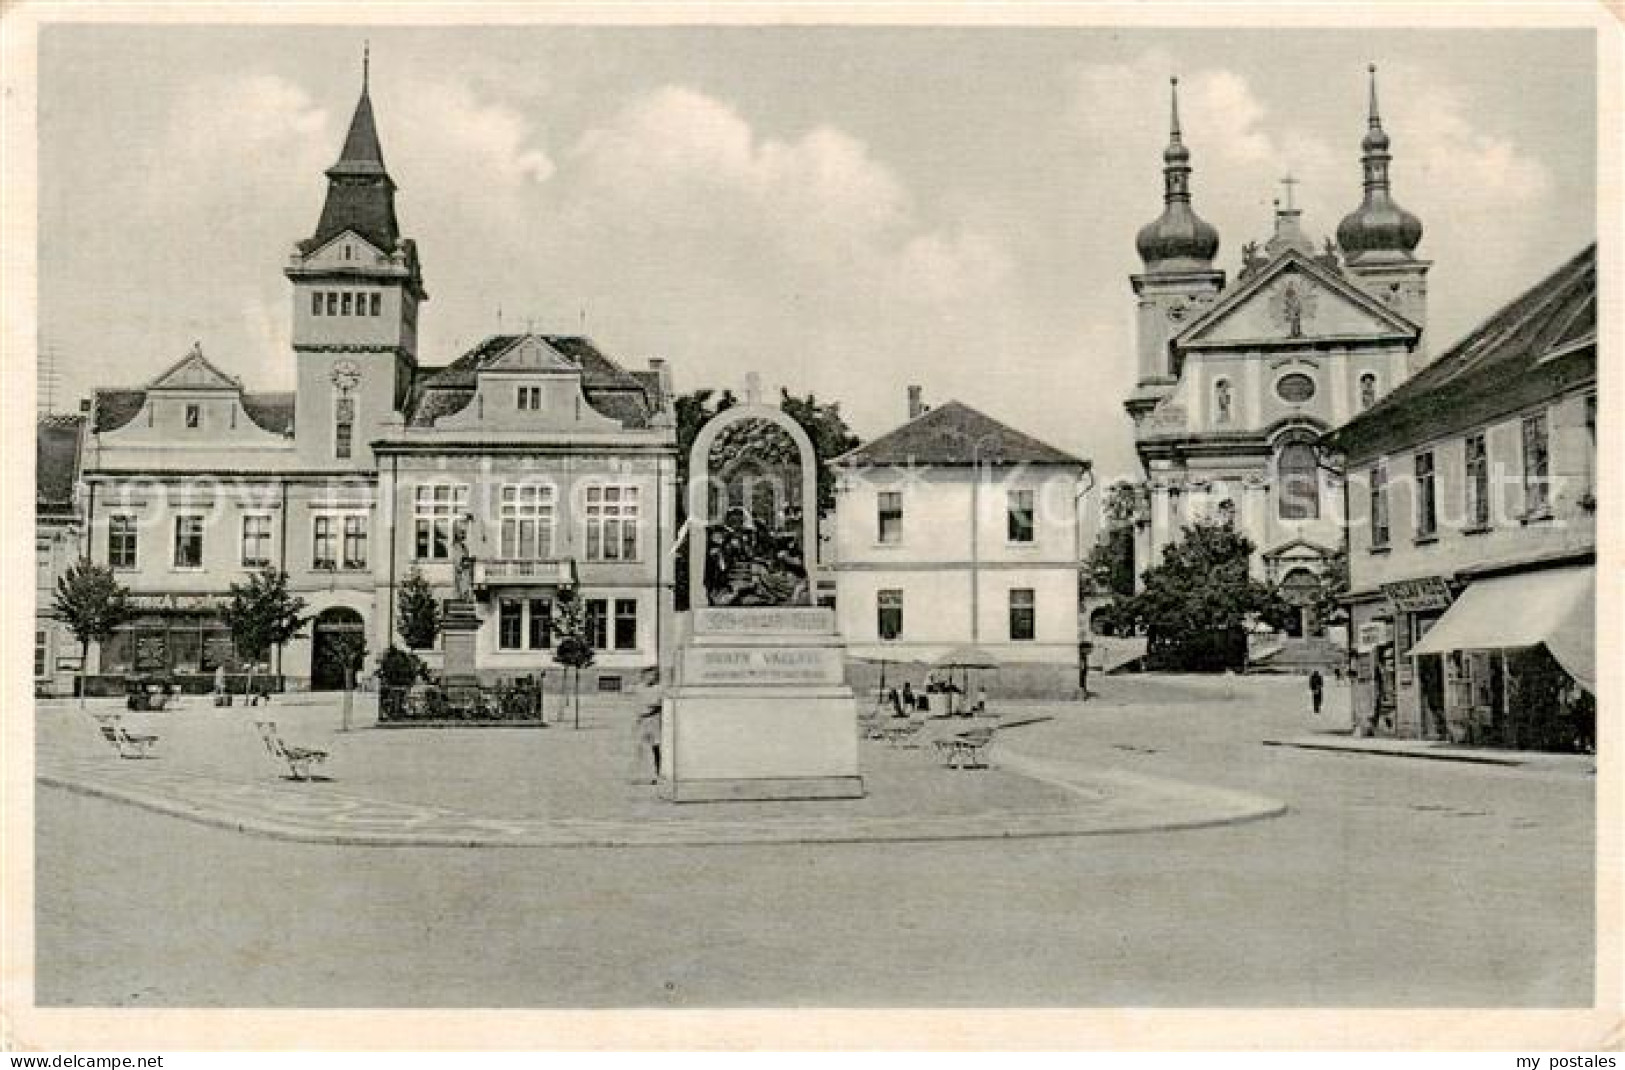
point(556, 463)
point(1238, 378)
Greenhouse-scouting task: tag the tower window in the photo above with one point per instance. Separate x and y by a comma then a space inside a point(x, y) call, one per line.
point(344, 304)
point(315, 302)
point(377, 304)
point(194, 415)
point(343, 427)
point(332, 304)
point(530, 398)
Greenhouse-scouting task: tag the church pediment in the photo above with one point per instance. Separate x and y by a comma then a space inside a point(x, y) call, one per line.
point(194, 372)
point(531, 354)
point(1292, 301)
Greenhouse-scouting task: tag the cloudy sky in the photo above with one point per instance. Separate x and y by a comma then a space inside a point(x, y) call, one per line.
point(844, 210)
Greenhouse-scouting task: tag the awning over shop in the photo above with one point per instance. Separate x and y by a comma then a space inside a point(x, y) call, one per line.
point(1555, 606)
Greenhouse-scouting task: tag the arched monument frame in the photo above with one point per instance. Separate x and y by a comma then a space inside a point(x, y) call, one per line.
point(699, 486)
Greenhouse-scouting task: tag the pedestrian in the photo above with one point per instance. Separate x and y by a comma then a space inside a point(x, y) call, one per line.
point(1317, 688)
point(896, 701)
point(647, 728)
point(220, 685)
point(908, 696)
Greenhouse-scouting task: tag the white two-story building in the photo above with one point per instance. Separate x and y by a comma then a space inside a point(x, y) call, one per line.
point(957, 530)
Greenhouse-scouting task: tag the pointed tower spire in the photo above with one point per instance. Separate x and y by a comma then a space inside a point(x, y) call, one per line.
point(360, 193)
point(1173, 110)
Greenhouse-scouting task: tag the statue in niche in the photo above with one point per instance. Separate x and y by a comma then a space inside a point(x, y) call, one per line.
point(748, 563)
point(1221, 400)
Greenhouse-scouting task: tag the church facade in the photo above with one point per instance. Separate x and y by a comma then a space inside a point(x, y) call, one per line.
point(1238, 378)
point(556, 463)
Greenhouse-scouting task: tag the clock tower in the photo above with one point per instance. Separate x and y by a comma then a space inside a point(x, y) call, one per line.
point(357, 286)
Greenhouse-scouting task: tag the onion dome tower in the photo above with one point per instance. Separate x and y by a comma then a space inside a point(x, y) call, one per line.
point(1379, 238)
point(1179, 281)
point(1179, 239)
point(1379, 228)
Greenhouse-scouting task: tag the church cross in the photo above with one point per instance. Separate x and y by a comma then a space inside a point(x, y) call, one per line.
point(1288, 181)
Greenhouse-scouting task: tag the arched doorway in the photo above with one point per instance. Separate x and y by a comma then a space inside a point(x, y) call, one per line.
point(1301, 588)
point(334, 632)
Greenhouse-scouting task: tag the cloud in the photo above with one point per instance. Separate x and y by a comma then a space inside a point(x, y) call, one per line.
point(483, 141)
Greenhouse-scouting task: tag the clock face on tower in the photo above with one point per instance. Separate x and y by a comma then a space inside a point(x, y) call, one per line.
point(346, 375)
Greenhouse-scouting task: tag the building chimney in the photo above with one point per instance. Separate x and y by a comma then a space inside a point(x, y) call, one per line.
point(916, 403)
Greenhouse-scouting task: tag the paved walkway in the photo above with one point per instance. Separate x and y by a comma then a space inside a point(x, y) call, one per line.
point(1102, 801)
point(1437, 750)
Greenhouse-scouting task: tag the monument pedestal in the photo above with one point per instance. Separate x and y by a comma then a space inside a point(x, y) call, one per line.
point(458, 624)
point(759, 710)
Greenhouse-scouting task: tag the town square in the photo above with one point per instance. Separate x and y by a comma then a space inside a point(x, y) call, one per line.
point(572, 516)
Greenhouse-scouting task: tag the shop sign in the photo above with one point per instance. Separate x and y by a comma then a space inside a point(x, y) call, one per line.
point(159, 602)
point(1372, 634)
point(152, 652)
point(1413, 596)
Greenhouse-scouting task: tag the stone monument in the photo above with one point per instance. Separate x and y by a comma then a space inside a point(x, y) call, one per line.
point(757, 708)
point(459, 621)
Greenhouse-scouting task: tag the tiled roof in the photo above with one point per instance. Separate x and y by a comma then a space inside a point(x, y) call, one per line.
point(1502, 366)
point(271, 411)
point(610, 389)
point(360, 194)
point(56, 459)
point(956, 434)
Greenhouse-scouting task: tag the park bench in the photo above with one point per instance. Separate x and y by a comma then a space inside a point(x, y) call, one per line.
point(128, 744)
point(965, 749)
point(299, 759)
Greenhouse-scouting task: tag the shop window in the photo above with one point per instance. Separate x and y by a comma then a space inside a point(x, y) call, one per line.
point(889, 613)
point(889, 517)
point(1022, 614)
point(626, 624)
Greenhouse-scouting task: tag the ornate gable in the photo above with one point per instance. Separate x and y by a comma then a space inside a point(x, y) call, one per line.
point(1292, 301)
point(194, 372)
point(531, 354)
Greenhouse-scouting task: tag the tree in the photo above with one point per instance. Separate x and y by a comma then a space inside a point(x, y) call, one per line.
point(348, 649)
point(1334, 585)
point(263, 615)
point(830, 438)
point(1196, 603)
point(418, 612)
point(573, 648)
point(92, 603)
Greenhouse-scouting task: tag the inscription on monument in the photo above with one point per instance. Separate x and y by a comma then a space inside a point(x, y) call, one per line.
point(754, 665)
